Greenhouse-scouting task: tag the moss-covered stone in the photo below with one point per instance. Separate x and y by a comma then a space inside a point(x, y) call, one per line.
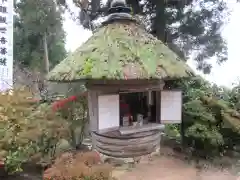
point(121, 51)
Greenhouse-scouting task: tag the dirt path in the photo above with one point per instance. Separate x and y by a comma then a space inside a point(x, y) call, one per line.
point(167, 168)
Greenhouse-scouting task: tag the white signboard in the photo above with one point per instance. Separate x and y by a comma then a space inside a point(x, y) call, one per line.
point(171, 107)
point(6, 44)
point(108, 112)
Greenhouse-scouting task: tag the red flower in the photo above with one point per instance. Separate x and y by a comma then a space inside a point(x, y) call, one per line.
point(1, 164)
point(61, 103)
point(72, 98)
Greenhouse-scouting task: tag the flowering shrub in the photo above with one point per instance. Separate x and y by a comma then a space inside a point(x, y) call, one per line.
point(74, 110)
point(28, 131)
point(80, 166)
point(60, 104)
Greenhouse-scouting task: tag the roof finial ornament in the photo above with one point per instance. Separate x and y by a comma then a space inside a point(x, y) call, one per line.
point(116, 3)
point(119, 6)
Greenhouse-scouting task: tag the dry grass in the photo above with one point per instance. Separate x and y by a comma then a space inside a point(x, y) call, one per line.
point(80, 166)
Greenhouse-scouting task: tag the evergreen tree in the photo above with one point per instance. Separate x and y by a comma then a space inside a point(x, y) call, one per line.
point(39, 38)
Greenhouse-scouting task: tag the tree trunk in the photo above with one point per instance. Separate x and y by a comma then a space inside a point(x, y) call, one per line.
point(159, 24)
point(46, 60)
point(95, 5)
point(137, 9)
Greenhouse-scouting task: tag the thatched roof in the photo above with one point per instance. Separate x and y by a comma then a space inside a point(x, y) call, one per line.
point(121, 50)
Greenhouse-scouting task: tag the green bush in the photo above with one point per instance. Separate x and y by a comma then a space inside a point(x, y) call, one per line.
point(211, 122)
point(28, 131)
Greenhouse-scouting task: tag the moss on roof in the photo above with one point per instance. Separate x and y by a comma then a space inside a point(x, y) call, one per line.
point(121, 51)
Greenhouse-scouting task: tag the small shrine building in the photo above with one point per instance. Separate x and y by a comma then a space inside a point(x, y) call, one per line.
point(124, 69)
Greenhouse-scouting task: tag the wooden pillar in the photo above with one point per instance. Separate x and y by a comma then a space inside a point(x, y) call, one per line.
point(149, 102)
point(93, 110)
point(158, 106)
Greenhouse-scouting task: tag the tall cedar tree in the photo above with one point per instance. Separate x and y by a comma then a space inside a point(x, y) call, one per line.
point(39, 38)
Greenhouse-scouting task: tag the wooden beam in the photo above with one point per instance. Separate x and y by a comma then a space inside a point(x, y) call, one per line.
point(126, 82)
point(138, 129)
point(126, 87)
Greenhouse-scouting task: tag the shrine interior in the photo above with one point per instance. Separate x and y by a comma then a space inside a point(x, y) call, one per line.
point(138, 108)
